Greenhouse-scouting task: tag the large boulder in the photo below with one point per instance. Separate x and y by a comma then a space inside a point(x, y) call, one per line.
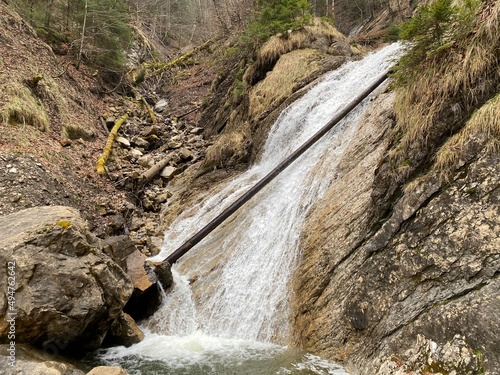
point(63, 292)
point(32, 361)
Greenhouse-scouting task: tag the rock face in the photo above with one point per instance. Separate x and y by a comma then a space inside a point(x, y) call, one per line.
point(36, 362)
point(67, 292)
point(375, 289)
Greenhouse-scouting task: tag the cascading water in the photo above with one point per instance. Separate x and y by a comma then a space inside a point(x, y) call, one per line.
point(234, 317)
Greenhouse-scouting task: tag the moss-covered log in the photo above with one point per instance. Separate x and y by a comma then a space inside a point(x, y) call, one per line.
point(160, 67)
point(109, 144)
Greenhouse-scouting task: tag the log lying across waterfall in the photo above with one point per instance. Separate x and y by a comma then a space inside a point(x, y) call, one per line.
point(185, 247)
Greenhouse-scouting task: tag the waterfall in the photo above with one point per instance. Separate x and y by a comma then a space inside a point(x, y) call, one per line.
point(238, 300)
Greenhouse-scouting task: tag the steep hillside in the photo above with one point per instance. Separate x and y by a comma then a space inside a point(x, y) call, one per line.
point(49, 130)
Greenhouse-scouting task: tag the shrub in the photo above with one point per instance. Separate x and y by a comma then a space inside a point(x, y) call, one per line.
point(277, 16)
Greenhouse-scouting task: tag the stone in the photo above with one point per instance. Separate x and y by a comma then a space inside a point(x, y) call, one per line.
point(174, 145)
point(124, 331)
point(118, 248)
point(32, 361)
point(68, 292)
point(146, 161)
point(136, 153)
point(107, 370)
point(146, 297)
point(196, 131)
point(141, 278)
point(161, 105)
point(140, 142)
point(161, 198)
point(155, 244)
point(163, 271)
point(124, 142)
point(149, 131)
point(168, 172)
point(372, 279)
point(185, 154)
point(136, 222)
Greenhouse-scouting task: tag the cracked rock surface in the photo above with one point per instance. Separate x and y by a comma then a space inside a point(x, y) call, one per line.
point(368, 287)
point(67, 291)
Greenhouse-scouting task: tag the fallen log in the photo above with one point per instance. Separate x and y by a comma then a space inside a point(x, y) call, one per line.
point(140, 98)
point(160, 67)
point(109, 144)
point(153, 171)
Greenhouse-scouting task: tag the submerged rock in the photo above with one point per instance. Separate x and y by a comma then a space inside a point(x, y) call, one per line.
point(66, 292)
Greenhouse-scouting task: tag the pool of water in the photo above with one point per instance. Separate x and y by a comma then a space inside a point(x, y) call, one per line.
point(199, 354)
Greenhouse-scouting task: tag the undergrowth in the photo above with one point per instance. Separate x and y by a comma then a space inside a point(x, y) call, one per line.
point(451, 69)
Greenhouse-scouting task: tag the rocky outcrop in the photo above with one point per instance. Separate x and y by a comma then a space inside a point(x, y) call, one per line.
point(403, 287)
point(250, 96)
point(64, 292)
point(366, 21)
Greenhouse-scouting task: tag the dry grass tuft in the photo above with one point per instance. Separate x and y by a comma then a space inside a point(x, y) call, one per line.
point(481, 131)
point(303, 38)
point(229, 149)
point(21, 107)
point(282, 80)
point(449, 88)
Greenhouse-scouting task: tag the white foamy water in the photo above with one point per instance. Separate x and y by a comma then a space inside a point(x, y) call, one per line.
point(235, 316)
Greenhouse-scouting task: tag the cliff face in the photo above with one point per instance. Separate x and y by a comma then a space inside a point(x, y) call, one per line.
point(401, 257)
point(364, 295)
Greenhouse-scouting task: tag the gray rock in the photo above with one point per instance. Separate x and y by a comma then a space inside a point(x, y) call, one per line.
point(196, 131)
point(124, 331)
point(124, 142)
point(136, 153)
point(155, 244)
point(161, 198)
point(370, 282)
point(168, 172)
point(185, 154)
point(118, 248)
point(68, 292)
point(140, 142)
point(146, 161)
point(174, 145)
point(161, 105)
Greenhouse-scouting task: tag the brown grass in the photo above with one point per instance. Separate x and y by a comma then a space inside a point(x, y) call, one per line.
point(21, 107)
point(447, 91)
point(282, 80)
point(482, 130)
point(228, 150)
point(303, 38)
